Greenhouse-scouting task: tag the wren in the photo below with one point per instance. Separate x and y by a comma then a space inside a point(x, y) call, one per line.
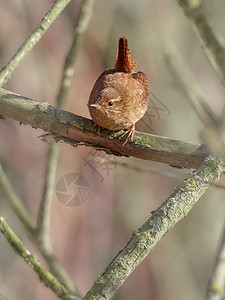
point(119, 97)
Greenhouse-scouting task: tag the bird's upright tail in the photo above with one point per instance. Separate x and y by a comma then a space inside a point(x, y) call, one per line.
point(124, 63)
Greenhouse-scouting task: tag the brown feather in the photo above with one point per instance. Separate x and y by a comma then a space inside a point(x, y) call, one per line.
point(124, 63)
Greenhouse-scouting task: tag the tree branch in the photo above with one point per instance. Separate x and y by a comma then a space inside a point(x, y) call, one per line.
point(77, 130)
point(43, 219)
point(213, 133)
point(17, 205)
point(216, 287)
point(44, 248)
point(79, 28)
point(152, 170)
point(46, 277)
point(211, 45)
point(186, 83)
point(52, 156)
point(174, 209)
point(57, 7)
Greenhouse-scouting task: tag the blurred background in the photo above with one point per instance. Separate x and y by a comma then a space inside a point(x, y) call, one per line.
point(110, 201)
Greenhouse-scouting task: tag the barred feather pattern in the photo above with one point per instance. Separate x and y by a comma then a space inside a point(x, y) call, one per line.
point(143, 79)
point(124, 63)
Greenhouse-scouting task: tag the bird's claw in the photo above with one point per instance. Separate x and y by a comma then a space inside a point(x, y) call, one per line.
point(130, 134)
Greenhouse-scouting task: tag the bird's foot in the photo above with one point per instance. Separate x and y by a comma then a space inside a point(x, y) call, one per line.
point(99, 128)
point(130, 134)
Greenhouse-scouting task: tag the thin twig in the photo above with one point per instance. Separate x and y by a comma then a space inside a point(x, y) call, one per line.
point(79, 29)
point(77, 130)
point(43, 219)
point(213, 133)
point(44, 248)
point(50, 173)
point(45, 277)
point(175, 208)
point(216, 287)
point(57, 7)
point(17, 205)
point(40, 235)
point(211, 44)
point(185, 81)
point(54, 266)
point(151, 170)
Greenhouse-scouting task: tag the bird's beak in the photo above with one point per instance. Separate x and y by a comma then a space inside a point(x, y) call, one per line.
point(95, 105)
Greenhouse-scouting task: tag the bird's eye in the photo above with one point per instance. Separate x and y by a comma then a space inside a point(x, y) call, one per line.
point(110, 103)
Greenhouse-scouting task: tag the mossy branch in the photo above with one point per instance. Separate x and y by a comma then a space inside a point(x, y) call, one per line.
point(216, 286)
point(78, 130)
point(174, 209)
point(45, 277)
point(44, 248)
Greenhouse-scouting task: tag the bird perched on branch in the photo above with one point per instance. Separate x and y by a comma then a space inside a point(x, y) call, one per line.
point(119, 97)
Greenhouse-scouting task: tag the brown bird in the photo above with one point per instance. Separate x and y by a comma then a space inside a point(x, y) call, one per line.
point(119, 97)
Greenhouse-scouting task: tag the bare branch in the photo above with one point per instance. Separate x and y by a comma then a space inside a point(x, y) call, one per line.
point(52, 156)
point(174, 209)
point(80, 26)
point(17, 205)
point(211, 44)
point(213, 133)
point(216, 287)
point(154, 171)
point(45, 277)
point(57, 7)
point(44, 248)
point(188, 86)
point(77, 130)
point(43, 219)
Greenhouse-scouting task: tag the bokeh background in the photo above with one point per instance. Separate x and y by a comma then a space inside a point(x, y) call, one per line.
point(85, 238)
